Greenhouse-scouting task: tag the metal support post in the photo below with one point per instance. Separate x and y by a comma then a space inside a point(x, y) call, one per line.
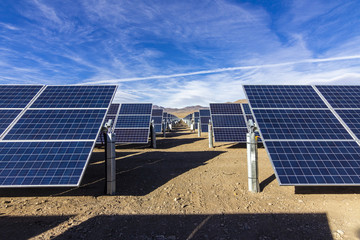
point(199, 129)
point(252, 158)
point(164, 128)
point(210, 133)
point(110, 164)
point(153, 135)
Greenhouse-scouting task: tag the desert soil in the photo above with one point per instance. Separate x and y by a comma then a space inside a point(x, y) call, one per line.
point(181, 190)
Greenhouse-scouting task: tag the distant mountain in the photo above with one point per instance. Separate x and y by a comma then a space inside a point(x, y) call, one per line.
point(183, 112)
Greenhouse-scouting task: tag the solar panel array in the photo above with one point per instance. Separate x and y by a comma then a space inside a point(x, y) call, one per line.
point(133, 123)
point(157, 117)
point(48, 132)
point(311, 133)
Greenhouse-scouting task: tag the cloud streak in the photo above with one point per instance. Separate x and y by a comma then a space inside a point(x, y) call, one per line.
point(219, 70)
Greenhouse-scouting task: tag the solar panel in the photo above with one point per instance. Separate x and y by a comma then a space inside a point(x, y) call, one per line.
point(133, 123)
point(204, 119)
point(312, 146)
point(17, 96)
point(228, 122)
point(57, 124)
point(48, 146)
point(341, 96)
point(157, 117)
point(283, 96)
point(75, 97)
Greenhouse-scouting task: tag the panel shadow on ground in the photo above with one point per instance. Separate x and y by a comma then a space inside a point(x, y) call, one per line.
point(224, 226)
point(20, 227)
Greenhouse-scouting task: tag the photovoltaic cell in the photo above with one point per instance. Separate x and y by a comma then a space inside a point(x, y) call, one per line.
point(314, 163)
point(42, 163)
point(283, 96)
point(157, 120)
point(136, 108)
point(299, 124)
point(57, 125)
point(158, 128)
point(341, 96)
point(17, 96)
point(75, 97)
point(6, 117)
point(204, 112)
point(352, 119)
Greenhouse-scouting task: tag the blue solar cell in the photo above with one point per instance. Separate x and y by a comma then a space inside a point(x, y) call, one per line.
point(283, 96)
point(204, 112)
point(126, 121)
point(315, 163)
point(299, 124)
point(136, 108)
point(157, 112)
point(196, 114)
point(204, 120)
point(230, 134)
point(17, 96)
point(225, 108)
point(246, 108)
point(7, 117)
point(132, 135)
point(341, 96)
point(157, 120)
point(352, 119)
point(42, 163)
point(113, 109)
point(228, 121)
point(57, 124)
point(75, 97)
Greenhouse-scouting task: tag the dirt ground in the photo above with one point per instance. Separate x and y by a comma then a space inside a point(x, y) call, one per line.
point(181, 190)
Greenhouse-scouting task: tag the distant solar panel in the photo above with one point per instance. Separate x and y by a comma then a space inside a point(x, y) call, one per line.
point(204, 119)
point(157, 117)
point(228, 122)
point(113, 110)
point(312, 146)
point(17, 96)
point(29, 154)
point(133, 123)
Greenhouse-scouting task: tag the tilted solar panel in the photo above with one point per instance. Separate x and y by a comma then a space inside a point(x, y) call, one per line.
point(312, 146)
point(75, 97)
point(341, 96)
point(228, 122)
point(29, 154)
point(204, 119)
point(17, 96)
point(133, 123)
point(157, 116)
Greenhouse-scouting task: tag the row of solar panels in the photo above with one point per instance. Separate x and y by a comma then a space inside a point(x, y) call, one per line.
point(229, 121)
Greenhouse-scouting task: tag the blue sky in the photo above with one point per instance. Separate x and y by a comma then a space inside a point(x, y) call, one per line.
point(179, 53)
